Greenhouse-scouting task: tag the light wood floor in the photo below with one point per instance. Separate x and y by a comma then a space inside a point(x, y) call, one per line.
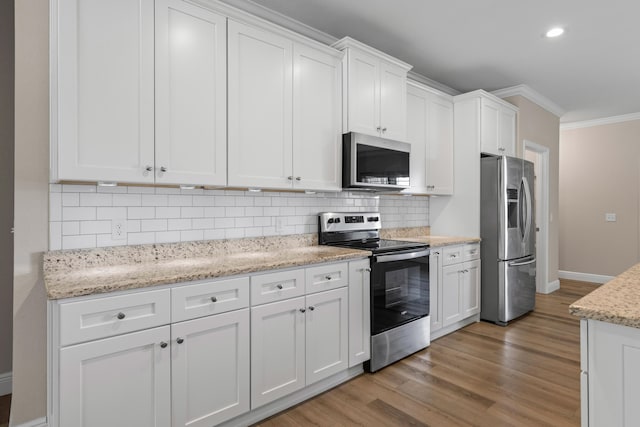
point(526, 374)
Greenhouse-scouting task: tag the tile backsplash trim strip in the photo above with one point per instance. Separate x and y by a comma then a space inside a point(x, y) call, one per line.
point(81, 215)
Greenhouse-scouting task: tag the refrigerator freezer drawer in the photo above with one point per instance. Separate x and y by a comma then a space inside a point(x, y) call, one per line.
point(517, 290)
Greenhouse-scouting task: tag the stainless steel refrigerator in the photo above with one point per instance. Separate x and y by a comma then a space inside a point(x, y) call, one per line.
point(508, 247)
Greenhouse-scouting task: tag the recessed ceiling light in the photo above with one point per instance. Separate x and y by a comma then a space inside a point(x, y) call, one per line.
point(555, 32)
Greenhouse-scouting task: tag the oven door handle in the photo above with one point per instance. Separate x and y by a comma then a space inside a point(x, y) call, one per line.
point(401, 257)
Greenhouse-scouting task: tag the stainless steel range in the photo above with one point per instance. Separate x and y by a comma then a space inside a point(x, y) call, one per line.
point(400, 323)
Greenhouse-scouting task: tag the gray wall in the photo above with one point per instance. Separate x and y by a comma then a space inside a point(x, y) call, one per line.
point(6, 182)
point(29, 400)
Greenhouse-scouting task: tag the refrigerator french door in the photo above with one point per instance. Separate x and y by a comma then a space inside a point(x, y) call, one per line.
point(507, 229)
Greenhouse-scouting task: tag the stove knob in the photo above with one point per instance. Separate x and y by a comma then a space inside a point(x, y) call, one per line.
point(337, 220)
point(330, 221)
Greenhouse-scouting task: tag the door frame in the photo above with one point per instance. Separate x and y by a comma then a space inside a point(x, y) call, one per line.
point(542, 243)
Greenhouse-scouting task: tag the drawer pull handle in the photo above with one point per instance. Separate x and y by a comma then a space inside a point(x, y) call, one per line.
point(327, 277)
point(214, 299)
point(302, 310)
point(311, 308)
point(279, 286)
point(163, 344)
point(180, 340)
point(121, 316)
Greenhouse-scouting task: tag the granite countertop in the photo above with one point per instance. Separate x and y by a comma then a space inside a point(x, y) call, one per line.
point(439, 241)
point(617, 301)
point(72, 273)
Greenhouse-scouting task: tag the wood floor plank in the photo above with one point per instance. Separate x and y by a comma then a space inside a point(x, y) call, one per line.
point(525, 374)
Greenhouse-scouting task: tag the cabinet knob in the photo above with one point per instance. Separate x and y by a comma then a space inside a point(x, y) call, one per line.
point(148, 168)
point(180, 340)
point(163, 169)
point(163, 344)
point(368, 270)
point(311, 308)
point(436, 253)
point(121, 316)
point(298, 178)
point(214, 299)
point(327, 277)
point(384, 129)
point(290, 178)
point(378, 128)
point(501, 148)
point(302, 310)
point(279, 286)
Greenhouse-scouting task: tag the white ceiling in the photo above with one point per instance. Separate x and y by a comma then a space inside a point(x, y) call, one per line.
point(592, 71)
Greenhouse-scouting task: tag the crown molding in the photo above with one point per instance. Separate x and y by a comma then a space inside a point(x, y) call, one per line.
point(349, 42)
point(279, 19)
point(419, 78)
point(600, 122)
point(533, 96)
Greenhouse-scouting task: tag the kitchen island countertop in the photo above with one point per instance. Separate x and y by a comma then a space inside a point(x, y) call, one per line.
point(617, 301)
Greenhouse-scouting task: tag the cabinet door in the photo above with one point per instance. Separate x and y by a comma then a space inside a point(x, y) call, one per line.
point(119, 381)
point(439, 145)
point(451, 294)
point(210, 369)
point(327, 340)
point(417, 105)
point(105, 112)
point(470, 295)
point(393, 101)
point(317, 126)
point(363, 97)
point(507, 132)
point(359, 312)
point(489, 130)
point(277, 350)
point(260, 99)
point(191, 95)
point(435, 290)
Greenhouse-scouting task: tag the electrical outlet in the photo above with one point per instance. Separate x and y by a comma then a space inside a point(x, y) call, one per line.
point(279, 224)
point(610, 217)
point(118, 229)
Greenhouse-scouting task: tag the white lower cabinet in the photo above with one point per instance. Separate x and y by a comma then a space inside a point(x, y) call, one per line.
point(198, 354)
point(610, 380)
point(118, 381)
point(455, 287)
point(297, 342)
point(210, 369)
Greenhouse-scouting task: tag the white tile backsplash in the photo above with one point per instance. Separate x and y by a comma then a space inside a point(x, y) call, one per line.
point(81, 215)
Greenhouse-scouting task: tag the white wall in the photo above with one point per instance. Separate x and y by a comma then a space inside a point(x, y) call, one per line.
point(31, 209)
point(6, 186)
point(81, 215)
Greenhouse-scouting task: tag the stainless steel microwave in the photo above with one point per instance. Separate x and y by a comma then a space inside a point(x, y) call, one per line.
point(374, 163)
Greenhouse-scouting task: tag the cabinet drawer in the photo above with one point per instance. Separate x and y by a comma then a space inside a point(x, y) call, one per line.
point(192, 301)
point(471, 252)
point(452, 255)
point(109, 316)
point(277, 286)
point(325, 277)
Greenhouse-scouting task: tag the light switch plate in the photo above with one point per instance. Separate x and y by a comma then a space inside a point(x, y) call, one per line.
point(610, 217)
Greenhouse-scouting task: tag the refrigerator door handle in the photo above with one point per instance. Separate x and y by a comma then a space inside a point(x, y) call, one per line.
point(518, 264)
point(529, 214)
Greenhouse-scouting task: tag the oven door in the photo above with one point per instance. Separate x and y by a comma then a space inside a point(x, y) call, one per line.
point(399, 289)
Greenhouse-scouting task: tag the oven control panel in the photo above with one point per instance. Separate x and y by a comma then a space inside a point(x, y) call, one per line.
point(349, 221)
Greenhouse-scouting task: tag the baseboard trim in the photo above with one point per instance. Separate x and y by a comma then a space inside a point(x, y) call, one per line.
point(6, 383)
point(584, 277)
point(550, 287)
point(40, 422)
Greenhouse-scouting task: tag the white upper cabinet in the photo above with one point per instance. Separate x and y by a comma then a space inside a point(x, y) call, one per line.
point(191, 86)
point(317, 119)
point(279, 88)
point(140, 92)
point(103, 90)
point(498, 127)
point(375, 99)
point(430, 132)
point(260, 108)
